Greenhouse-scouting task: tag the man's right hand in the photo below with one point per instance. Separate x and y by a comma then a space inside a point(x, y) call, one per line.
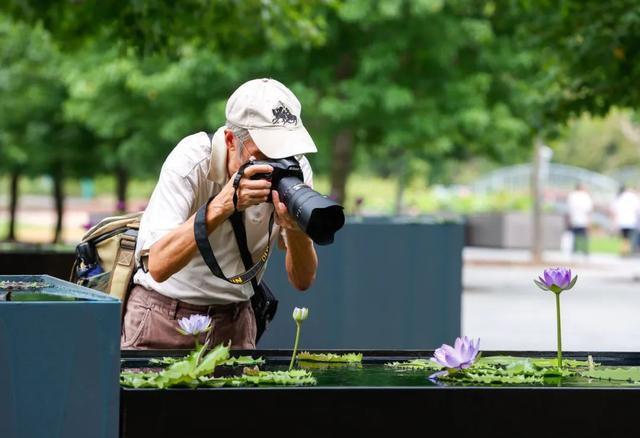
point(250, 192)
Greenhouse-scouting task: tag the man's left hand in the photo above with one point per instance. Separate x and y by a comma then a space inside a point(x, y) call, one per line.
point(283, 218)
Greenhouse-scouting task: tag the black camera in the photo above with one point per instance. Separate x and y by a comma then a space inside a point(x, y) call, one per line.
point(318, 216)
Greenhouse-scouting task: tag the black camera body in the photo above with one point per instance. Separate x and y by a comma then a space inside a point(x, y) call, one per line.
point(318, 216)
point(282, 168)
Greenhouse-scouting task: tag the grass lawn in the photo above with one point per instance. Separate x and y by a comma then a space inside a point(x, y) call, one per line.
point(604, 244)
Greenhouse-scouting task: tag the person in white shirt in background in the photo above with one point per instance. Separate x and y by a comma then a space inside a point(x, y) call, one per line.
point(624, 211)
point(580, 206)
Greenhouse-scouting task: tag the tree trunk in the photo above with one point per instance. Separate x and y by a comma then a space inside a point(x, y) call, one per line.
point(402, 182)
point(536, 195)
point(342, 153)
point(341, 164)
point(122, 181)
point(13, 205)
point(58, 196)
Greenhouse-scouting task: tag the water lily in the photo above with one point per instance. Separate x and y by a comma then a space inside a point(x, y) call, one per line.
point(557, 280)
point(299, 315)
point(462, 355)
point(194, 325)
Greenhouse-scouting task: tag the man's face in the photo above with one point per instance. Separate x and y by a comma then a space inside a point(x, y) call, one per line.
point(250, 149)
point(239, 152)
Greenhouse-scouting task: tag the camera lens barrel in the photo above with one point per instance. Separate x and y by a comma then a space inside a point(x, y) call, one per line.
point(318, 216)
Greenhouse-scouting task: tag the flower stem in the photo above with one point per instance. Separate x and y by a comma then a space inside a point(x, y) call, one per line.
point(295, 346)
point(559, 330)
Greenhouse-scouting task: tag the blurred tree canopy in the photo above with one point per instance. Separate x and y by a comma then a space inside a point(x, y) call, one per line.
point(593, 46)
point(35, 137)
point(152, 26)
point(386, 81)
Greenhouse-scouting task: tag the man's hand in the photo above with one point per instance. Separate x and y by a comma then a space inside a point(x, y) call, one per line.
point(283, 218)
point(250, 192)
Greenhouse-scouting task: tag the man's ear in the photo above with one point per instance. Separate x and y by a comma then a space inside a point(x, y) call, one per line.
point(228, 139)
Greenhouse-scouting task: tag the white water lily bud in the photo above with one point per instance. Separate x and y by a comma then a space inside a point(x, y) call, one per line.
point(300, 314)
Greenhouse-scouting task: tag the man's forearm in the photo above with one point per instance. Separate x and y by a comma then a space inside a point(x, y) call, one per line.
point(301, 259)
point(172, 252)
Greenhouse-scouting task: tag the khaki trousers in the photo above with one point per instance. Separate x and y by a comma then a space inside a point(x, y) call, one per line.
point(151, 320)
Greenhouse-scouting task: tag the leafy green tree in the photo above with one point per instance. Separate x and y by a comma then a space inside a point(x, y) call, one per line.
point(27, 100)
point(151, 26)
point(591, 48)
point(35, 138)
point(402, 79)
point(139, 108)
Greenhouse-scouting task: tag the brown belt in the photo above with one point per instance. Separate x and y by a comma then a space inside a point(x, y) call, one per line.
point(173, 305)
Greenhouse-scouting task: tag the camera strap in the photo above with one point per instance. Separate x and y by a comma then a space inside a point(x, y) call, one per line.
point(204, 246)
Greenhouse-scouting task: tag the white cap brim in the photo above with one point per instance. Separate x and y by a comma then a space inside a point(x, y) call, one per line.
point(281, 142)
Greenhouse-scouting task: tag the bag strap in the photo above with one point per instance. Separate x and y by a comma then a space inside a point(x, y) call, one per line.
point(241, 237)
point(204, 246)
point(124, 268)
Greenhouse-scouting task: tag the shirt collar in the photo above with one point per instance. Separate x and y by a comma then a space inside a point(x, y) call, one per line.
point(218, 165)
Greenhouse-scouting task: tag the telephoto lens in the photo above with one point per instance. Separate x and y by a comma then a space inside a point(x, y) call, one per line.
point(318, 216)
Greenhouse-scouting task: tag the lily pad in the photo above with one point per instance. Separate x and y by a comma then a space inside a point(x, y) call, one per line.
point(415, 364)
point(243, 361)
point(631, 375)
point(262, 378)
point(329, 357)
point(181, 373)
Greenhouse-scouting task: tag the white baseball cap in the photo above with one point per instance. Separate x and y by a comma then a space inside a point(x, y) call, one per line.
point(271, 114)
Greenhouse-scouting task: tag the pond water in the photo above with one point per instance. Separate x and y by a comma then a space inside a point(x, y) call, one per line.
point(44, 288)
point(26, 295)
point(380, 376)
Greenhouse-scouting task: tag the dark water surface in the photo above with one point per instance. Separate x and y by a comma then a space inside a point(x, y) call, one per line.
point(40, 296)
point(378, 375)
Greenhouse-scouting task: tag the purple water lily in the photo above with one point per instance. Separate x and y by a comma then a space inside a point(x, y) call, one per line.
point(556, 280)
point(194, 325)
point(462, 355)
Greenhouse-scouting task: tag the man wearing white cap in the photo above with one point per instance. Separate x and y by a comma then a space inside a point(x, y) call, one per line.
point(263, 121)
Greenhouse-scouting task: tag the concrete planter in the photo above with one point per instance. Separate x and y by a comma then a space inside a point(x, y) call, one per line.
point(512, 230)
point(384, 283)
point(60, 363)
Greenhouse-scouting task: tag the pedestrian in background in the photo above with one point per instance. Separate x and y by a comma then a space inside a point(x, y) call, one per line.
point(579, 206)
point(625, 211)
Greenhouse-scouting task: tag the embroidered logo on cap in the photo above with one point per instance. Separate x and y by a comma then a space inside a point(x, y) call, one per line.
point(282, 115)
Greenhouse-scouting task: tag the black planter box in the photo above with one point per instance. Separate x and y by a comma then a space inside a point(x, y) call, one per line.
point(35, 261)
point(524, 411)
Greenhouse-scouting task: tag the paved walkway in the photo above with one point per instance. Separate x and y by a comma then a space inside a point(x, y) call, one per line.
point(503, 307)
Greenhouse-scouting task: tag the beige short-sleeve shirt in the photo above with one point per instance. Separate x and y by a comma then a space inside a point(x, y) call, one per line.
point(194, 171)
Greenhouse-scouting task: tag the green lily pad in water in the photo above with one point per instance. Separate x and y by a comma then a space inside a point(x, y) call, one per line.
point(330, 357)
point(631, 375)
point(415, 364)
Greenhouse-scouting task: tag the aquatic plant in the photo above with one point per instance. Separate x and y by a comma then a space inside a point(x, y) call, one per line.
point(299, 315)
point(23, 285)
point(330, 357)
point(557, 280)
point(510, 370)
point(260, 378)
point(232, 361)
point(182, 373)
point(459, 357)
point(194, 325)
point(414, 364)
